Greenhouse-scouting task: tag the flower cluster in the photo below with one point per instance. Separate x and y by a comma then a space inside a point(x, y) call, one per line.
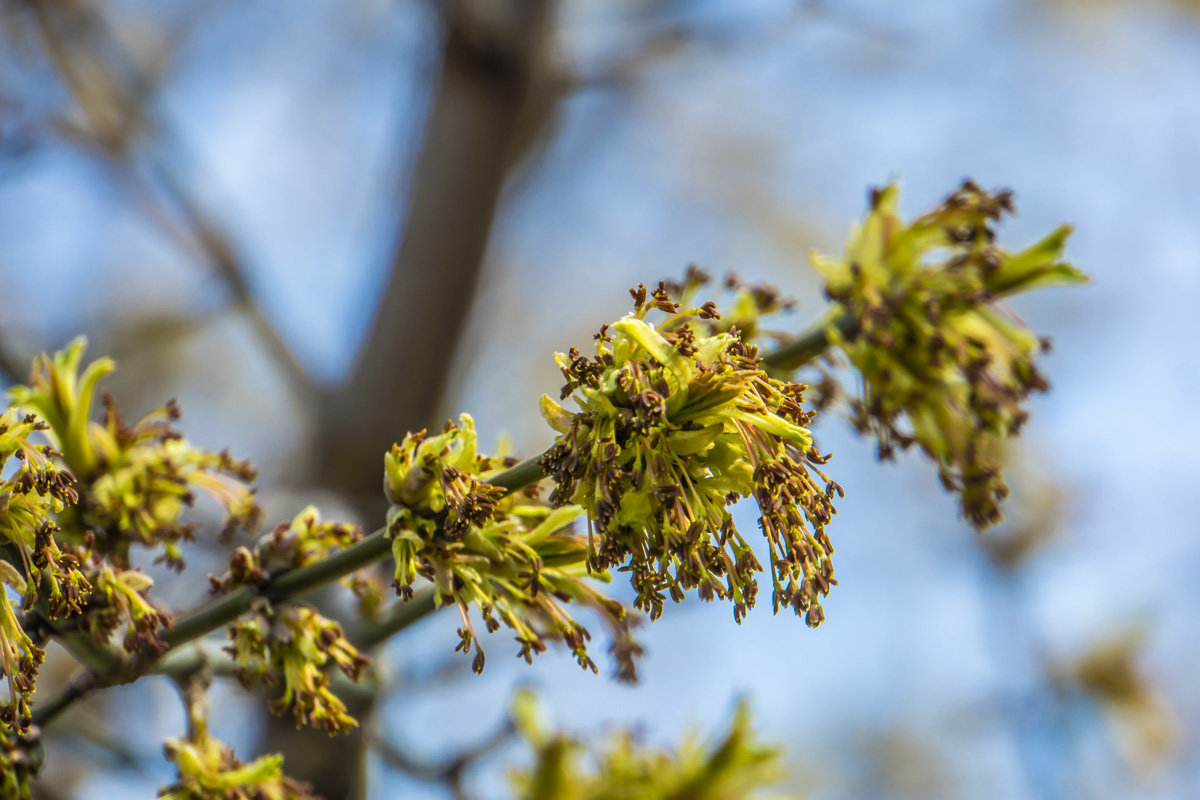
point(296, 644)
point(20, 659)
point(736, 768)
point(291, 545)
point(69, 509)
point(30, 499)
point(119, 600)
point(943, 364)
point(209, 769)
point(675, 424)
point(512, 557)
point(134, 481)
point(1108, 674)
point(426, 476)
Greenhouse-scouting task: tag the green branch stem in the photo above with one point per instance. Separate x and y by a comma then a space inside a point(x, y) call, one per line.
point(106, 666)
point(809, 345)
point(366, 635)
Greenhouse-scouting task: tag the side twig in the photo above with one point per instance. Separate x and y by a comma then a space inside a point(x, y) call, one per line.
point(294, 583)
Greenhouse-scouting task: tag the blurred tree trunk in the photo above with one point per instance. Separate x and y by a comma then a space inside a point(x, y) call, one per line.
point(489, 70)
point(492, 96)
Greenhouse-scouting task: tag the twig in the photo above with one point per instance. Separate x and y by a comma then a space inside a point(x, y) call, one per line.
point(450, 772)
point(287, 585)
point(296, 582)
point(809, 345)
point(81, 686)
point(366, 636)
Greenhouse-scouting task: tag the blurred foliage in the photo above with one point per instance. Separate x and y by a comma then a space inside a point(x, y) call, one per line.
point(736, 766)
point(943, 364)
point(1109, 675)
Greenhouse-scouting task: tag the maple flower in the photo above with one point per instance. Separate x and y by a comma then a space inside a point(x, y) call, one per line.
point(21, 759)
point(20, 659)
point(294, 644)
point(305, 540)
point(510, 556)
point(134, 480)
point(210, 770)
point(30, 499)
point(675, 424)
point(944, 364)
point(119, 600)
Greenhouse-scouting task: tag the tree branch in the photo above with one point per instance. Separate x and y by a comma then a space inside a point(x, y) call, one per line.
point(296, 582)
point(452, 771)
point(809, 345)
point(282, 587)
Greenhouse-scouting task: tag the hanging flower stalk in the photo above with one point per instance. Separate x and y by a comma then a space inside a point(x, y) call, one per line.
point(675, 424)
point(294, 644)
point(20, 659)
point(943, 363)
point(512, 557)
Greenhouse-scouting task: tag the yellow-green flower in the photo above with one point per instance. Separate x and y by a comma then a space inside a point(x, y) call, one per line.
point(294, 644)
point(209, 770)
point(1108, 673)
point(291, 545)
point(136, 479)
point(943, 363)
point(30, 500)
point(20, 760)
point(675, 424)
point(119, 600)
point(512, 557)
point(19, 662)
